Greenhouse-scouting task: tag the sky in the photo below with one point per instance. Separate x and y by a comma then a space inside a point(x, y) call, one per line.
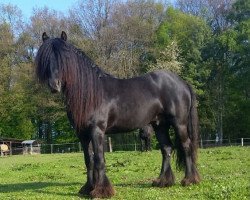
point(27, 6)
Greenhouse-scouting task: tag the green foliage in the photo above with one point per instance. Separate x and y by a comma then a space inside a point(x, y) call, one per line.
point(228, 55)
point(14, 106)
point(191, 34)
point(60, 176)
point(167, 59)
point(240, 11)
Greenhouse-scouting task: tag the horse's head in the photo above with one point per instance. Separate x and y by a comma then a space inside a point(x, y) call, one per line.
point(48, 62)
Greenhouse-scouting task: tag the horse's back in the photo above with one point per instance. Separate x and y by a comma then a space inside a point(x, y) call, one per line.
point(168, 79)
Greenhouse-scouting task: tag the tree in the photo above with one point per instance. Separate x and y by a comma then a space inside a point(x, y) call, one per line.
point(239, 60)
point(14, 109)
point(191, 34)
point(167, 59)
point(119, 33)
point(12, 15)
point(214, 12)
point(229, 79)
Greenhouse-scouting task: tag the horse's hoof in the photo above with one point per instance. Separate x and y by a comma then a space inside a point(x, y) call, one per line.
point(102, 192)
point(162, 183)
point(190, 180)
point(85, 190)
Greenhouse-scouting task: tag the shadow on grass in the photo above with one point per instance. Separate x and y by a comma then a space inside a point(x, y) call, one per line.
point(38, 187)
point(134, 185)
point(143, 185)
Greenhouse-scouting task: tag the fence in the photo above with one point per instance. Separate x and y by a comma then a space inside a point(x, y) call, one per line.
point(60, 148)
point(109, 146)
point(225, 142)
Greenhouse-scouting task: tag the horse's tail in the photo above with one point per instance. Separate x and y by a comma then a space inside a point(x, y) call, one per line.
point(193, 134)
point(193, 126)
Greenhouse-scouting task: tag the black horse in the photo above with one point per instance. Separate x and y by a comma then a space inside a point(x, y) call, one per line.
point(145, 135)
point(98, 103)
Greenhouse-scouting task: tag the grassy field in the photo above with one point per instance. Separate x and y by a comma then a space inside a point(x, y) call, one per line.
point(225, 175)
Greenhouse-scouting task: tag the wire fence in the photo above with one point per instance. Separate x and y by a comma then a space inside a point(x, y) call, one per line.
point(110, 147)
point(60, 148)
point(76, 147)
point(225, 142)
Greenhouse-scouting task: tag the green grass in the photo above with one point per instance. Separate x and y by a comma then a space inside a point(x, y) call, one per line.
point(225, 175)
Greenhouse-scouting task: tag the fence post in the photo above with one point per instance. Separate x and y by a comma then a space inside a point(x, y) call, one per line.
point(51, 148)
point(242, 142)
point(201, 144)
point(80, 148)
point(10, 148)
point(110, 144)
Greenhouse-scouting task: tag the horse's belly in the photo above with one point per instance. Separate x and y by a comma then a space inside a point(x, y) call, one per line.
point(119, 129)
point(131, 114)
point(131, 121)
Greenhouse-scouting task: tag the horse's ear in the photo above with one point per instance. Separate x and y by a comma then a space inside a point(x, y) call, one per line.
point(64, 36)
point(44, 36)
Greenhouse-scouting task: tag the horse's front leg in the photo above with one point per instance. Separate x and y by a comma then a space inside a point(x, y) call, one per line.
point(102, 188)
point(89, 162)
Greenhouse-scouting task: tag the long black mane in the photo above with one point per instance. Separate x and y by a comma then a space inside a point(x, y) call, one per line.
point(83, 87)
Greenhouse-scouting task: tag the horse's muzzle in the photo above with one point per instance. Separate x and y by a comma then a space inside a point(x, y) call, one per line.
point(55, 86)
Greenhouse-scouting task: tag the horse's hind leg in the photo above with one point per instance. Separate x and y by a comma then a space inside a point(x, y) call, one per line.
point(187, 156)
point(166, 177)
point(148, 144)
